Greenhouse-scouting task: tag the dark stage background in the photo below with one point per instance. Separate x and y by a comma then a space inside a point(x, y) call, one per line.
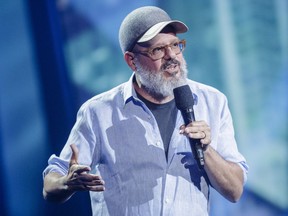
point(56, 54)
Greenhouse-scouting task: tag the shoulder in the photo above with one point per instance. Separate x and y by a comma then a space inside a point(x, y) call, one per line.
point(206, 91)
point(113, 97)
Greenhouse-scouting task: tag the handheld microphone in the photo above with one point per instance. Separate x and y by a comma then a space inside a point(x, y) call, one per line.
point(184, 102)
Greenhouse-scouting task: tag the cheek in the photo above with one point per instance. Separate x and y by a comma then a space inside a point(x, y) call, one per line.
point(182, 59)
point(151, 65)
point(156, 66)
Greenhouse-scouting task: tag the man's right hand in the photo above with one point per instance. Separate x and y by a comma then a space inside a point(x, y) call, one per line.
point(59, 188)
point(79, 178)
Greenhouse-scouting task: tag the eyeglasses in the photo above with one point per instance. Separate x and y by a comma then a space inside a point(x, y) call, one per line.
point(156, 53)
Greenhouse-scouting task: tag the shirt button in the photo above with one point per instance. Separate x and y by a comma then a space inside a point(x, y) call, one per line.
point(167, 200)
point(158, 143)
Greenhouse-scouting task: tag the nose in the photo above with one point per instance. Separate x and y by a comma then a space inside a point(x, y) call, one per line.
point(169, 53)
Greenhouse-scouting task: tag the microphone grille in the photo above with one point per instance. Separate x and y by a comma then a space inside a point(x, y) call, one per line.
point(183, 97)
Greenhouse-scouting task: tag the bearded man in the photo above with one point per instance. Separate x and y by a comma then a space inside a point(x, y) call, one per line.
point(130, 147)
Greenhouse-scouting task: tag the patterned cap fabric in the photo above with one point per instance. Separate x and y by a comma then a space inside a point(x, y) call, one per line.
point(145, 23)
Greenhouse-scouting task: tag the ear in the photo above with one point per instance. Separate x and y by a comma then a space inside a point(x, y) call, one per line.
point(129, 58)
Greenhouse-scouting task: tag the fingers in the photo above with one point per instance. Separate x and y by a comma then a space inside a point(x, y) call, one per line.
point(197, 130)
point(74, 167)
point(79, 169)
point(95, 185)
point(74, 161)
point(75, 153)
point(87, 182)
point(79, 178)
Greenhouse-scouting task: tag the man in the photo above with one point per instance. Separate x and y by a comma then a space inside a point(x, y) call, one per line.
point(133, 140)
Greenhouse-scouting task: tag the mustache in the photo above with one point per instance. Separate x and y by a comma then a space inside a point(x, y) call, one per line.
point(169, 63)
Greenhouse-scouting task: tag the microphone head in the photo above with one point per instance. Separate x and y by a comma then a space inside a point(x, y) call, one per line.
point(183, 97)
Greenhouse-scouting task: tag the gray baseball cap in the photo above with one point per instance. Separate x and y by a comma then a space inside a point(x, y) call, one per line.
point(145, 23)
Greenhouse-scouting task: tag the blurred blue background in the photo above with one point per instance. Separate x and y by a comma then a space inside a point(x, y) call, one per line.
point(56, 54)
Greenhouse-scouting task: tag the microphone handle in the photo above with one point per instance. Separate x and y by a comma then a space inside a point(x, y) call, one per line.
point(195, 144)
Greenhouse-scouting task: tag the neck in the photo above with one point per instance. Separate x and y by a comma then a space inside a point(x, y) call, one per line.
point(142, 91)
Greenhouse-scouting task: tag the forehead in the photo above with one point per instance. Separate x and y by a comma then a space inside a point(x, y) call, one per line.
point(160, 39)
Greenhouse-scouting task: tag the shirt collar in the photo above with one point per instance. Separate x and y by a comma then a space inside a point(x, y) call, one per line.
point(128, 90)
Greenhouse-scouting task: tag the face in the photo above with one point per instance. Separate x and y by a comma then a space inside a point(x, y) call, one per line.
point(159, 77)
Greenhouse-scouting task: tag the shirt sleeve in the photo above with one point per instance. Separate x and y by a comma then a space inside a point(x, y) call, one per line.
point(227, 146)
point(83, 136)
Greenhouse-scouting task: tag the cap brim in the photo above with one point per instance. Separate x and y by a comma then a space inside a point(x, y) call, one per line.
point(179, 27)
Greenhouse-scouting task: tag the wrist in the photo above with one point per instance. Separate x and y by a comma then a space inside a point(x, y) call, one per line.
point(207, 150)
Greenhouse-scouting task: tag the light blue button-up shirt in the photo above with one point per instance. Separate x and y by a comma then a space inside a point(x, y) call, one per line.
point(118, 137)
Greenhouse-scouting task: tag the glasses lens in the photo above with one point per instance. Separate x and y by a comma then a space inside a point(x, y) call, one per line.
point(175, 47)
point(181, 46)
point(159, 52)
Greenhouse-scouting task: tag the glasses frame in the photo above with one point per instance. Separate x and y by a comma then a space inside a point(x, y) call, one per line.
point(149, 52)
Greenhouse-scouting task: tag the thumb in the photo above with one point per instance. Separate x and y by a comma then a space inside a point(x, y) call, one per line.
point(75, 153)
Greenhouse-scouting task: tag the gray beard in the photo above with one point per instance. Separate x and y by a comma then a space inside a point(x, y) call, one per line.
point(155, 83)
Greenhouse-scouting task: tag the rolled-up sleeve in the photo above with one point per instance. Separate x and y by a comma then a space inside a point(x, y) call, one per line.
point(83, 136)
